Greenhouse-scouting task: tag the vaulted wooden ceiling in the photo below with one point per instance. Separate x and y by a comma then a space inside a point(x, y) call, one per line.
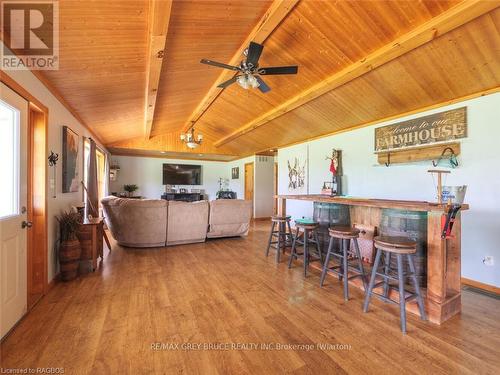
point(359, 62)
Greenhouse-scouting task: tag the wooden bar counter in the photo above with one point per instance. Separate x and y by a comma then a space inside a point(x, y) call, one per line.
point(442, 296)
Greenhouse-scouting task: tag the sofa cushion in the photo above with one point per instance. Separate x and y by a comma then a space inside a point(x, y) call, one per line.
point(229, 217)
point(136, 222)
point(187, 222)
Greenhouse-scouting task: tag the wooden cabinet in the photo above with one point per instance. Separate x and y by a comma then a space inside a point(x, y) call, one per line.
point(91, 235)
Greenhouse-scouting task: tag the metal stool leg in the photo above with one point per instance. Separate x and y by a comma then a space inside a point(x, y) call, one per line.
point(360, 263)
point(368, 293)
point(327, 261)
point(318, 246)
point(420, 302)
point(387, 260)
point(278, 245)
point(306, 251)
point(345, 244)
point(402, 300)
point(270, 238)
point(294, 248)
point(290, 233)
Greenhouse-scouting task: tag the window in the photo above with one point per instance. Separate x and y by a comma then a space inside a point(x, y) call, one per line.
point(9, 156)
point(101, 170)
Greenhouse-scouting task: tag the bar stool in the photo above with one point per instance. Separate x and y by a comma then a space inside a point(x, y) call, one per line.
point(283, 238)
point(345, 234)
point(307, 229)
point(399, 246)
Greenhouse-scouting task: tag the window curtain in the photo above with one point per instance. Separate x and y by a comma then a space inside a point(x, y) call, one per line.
point(92, 203)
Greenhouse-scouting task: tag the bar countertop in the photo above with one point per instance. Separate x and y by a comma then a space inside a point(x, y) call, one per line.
point(367, 202)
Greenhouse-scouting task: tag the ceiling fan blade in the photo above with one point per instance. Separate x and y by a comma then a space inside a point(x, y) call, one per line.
point(219, 65)
point(279, 70)
point(263, 87)
point(254, 52)
point(223, 85)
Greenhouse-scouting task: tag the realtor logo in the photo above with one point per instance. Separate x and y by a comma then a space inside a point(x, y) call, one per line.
point(30, 34)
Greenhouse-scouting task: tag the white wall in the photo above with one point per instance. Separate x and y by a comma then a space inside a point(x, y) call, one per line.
point(263, 190)
point(58, 117)
point(238, 185)
point(146, 173)
point(479, 166)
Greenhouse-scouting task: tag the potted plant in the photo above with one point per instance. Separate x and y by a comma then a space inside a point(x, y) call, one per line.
point(69, 249)
point(130, 189)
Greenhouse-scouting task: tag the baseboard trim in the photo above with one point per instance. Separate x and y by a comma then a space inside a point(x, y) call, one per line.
point(267, 218)
point(479, 285)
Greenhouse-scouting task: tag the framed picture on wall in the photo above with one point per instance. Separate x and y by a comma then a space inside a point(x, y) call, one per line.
point(297, 164)
point(70, 178)
point(235, 173)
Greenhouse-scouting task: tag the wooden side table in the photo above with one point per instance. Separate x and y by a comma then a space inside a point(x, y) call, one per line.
point(91, 235)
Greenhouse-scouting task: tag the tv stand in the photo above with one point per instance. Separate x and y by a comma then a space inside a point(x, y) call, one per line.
point(185, 197)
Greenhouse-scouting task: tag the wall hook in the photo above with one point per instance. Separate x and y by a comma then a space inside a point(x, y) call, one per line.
point(453, 158)
point(388, 162)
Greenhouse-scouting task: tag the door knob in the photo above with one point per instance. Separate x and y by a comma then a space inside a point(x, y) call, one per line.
point(26, 224)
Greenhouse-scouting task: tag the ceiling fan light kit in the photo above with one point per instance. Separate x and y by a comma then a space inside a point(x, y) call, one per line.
point(248, 72)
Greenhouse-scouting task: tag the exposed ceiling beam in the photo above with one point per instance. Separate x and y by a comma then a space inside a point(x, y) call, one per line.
point(276, 13)
point(159, 19)
point(445, 22)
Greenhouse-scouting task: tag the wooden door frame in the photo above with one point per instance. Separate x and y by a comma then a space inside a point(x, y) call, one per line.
point(245, 184)
point(37, 237)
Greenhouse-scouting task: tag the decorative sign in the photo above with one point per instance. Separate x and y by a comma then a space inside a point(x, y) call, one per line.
point(439, 127)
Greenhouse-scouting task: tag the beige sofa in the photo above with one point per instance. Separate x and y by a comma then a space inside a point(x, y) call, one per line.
point(229, 217)
point(136, 222)
point(155, 223)
point(187, 222)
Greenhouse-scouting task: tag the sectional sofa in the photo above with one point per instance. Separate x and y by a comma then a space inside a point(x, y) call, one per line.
point(157, 222)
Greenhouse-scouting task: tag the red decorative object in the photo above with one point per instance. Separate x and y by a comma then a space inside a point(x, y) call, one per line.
point(332, 167)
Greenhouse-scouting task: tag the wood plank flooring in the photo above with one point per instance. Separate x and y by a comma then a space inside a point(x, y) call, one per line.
point(226, 291)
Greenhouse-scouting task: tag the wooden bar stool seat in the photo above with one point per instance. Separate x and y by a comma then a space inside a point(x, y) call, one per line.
point(400, 247)
point(281, 235)
point(307, 226)
point(278, 219)
point(309, 231)
point(345, 234)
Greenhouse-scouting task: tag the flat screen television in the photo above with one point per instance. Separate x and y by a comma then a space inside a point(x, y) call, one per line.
point(181, 174)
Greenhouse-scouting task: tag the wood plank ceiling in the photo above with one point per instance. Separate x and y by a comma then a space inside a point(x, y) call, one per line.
point(104, 57)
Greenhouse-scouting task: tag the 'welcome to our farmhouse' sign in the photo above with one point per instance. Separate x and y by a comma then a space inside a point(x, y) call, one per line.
point(444, 126)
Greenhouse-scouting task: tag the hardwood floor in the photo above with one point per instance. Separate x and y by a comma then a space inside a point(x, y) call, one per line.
point(227, 291)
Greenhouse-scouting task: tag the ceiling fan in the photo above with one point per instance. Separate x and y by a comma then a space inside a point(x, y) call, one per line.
point(249, 72)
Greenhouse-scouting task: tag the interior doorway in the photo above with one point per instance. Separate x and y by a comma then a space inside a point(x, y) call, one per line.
point(249, 182)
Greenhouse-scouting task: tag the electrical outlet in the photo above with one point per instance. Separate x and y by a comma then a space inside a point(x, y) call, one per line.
point(488, 260)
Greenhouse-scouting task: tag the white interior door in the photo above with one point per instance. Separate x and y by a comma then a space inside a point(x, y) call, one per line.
point(13, 216)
